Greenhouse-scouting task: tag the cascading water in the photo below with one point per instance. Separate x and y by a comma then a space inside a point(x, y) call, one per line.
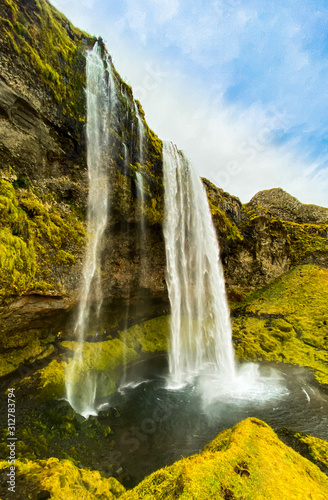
point(141, 203)
point(81, 384)
point(200, 322)
point(141, 133)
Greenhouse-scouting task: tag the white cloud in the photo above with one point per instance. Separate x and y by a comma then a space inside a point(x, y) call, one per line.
point(165, 10)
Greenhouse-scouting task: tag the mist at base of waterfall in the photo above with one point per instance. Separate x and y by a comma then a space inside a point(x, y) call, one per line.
point(250, 383)
point(166, 424)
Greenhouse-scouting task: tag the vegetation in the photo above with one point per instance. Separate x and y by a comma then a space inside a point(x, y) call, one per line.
point(61, 480)
point(37, 241)
point(242, 463)
point(98, 358)
point(287, 321)
point(302, 240)
point(46, 47)
point(150, 336)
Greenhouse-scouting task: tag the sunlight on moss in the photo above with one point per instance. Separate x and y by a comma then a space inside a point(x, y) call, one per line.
point(245, 462)
point(63, 481)
point(287, 321)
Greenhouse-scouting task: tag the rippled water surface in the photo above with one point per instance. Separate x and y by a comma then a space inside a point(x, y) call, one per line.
point(158, 426)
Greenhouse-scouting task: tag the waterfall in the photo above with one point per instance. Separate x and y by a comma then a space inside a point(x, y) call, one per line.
point(141, 133)
point(141, 204)
point(200, 322)
point(81, 384)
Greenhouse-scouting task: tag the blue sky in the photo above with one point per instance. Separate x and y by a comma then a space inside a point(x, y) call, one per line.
point(240, 85)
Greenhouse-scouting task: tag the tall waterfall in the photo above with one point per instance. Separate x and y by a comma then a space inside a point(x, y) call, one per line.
point(200, 323)
point(100, 94)
point(141, 203)
point(141, 133)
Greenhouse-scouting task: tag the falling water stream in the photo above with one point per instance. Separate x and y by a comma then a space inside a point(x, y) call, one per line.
point(141, 204)
point(141, 134)
point(101, 94)
point(200, 324)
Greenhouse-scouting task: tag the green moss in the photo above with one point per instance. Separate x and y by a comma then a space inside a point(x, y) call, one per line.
point(99, 359)
point(224, 225)
point(33, 236)
point(21, 348)
point(287, 321)
point(49, 47)
point(63, 480)
point(150, 336)
point(245, 462)
point(318, 448)
point(302, 240)
point(51, 381)
point(65, 258)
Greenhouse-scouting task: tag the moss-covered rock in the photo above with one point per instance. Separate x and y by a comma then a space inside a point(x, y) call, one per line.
point(274, 242)
point(246, 462)
point(150, 336)
point(100, 359)
point(310, 447)
point(287, 321)
point(37, 243)
point(59, 480)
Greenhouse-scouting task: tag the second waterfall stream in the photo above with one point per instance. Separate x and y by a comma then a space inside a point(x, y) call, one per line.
point(201, 337)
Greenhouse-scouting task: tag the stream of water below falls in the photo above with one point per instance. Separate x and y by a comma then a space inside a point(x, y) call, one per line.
point(157, 426)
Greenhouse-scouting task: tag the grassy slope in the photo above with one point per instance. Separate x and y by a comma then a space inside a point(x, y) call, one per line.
point(287, 321)
point(246, 462)
point(62, 480)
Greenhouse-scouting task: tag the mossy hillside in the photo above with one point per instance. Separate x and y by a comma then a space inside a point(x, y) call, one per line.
point(310, 447)
point(53, 429)
point(318, 448)
point(246, 462)
point(61, 480)
point(38, 242)
point(287, 321)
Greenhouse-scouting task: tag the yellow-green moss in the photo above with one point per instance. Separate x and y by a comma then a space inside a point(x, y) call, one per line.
point(149, 336)
point(21, 347)
point(33, 237)
point(318, 448)
point(98, 358)
point(287, 321)
point(48, 47)
point(246, 462)
point(302, 240)
point(225, 226)
point(63, 480)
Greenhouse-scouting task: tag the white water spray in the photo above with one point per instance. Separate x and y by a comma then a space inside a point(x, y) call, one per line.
point(141, 133)
point(81, 384)
point(141, 203)
point(200, 322)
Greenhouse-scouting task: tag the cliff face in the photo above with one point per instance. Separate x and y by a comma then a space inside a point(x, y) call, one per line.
point(266, 237)
point(44, 185)
point(44, 188)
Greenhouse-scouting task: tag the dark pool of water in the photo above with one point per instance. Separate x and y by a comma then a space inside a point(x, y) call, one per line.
point(158, 426)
